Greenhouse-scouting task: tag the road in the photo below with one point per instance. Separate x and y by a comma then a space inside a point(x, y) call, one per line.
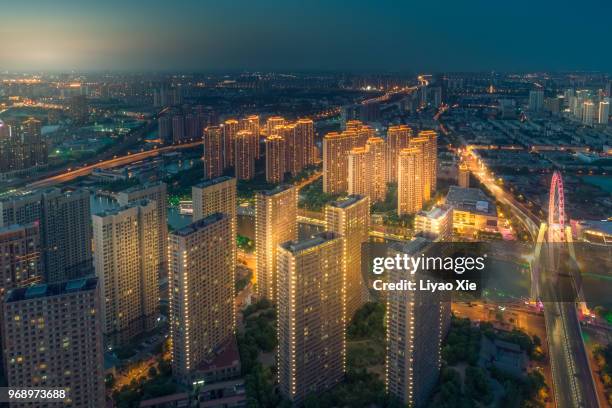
point(114, 162)
point(574, 386)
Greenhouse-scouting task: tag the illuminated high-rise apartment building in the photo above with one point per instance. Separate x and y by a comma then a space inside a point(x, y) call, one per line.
point(52, 338)
point(311, 346)
point(275, 223)
point(64, 220)
point(213, 196)
point(20, 256)
point(410, 181)
point(294, 160)
point(126, 261)
point(216, 196)
point(275, 159)
point(350, 218)
point(157, 192)
point(244, 150)
point(202, 269)
point(304, 129)
point(336, 149)
point(213, 152)
point(364, 132)
point(416, 324)
point(426, 141)
point(397, 139)
point(274, 124)
point(367, 168)
point(230, 128)
point(251, 123)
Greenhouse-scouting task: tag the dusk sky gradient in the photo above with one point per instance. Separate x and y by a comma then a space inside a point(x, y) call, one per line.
point(459, 35)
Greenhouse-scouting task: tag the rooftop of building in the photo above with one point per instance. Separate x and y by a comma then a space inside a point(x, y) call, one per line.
point(470, 199)
point(226, 355)
point(195, 226)
point(417, 244)
point(116, 210)
point(435, 212)
point(313, 241)
point(51, 289)
point(347, 201)
point(278, 189)
point(211, 182)
point(142, 186)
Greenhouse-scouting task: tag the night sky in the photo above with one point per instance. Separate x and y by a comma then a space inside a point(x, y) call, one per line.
point(401, 35)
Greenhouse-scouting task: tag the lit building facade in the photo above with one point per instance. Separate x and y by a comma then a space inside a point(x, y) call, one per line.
point(397, 139)
point(157, 192)
point(435, 224)
point(53, 338)
point(230, 128)
point(350, 218)
point(473, 212)
point(336, 149)
point(202, 269)
point(311, 346)
point(244, 150)
point(275, 159)
point(367, 170)
point(20, 256)
point(213, 152)
point(275, 223)
point(416, 324)
point(410, 181)
point(127, 258)
point(463, 175)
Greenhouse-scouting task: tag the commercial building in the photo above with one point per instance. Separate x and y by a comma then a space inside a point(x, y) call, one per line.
point(350, 218)
point(311, 349)
point(275, 223)
point(127, 258)
point(202, 269)
point(472, 211)
point(53, 339)
point(435, 224)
